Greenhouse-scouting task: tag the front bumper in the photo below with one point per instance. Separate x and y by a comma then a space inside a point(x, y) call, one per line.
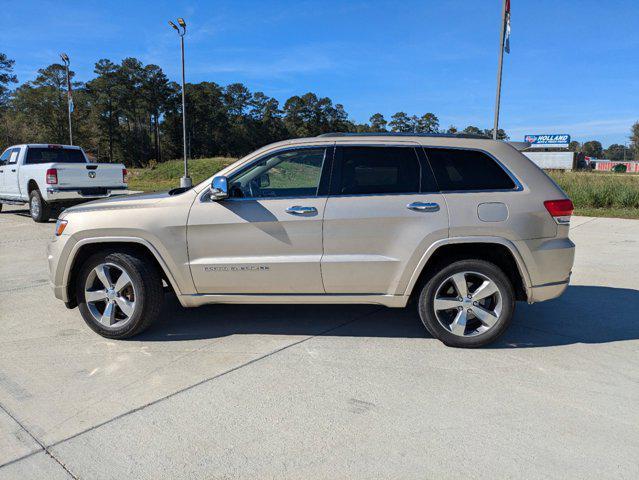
point(57, 249)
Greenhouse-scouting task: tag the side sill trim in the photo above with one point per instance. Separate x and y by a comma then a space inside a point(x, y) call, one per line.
point(394, 301)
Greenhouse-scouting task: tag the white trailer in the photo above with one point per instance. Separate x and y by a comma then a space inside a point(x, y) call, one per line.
point(552, 160)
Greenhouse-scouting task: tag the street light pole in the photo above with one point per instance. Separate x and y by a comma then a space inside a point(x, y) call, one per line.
point(66, 61)
point(185, 181)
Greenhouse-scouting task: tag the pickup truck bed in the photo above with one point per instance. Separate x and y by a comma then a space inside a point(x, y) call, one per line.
point(54, 176)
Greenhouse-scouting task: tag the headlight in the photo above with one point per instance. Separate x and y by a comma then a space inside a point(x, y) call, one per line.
point(60, 225)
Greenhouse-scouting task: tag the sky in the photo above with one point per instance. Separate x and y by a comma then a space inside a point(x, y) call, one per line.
point(573, 66)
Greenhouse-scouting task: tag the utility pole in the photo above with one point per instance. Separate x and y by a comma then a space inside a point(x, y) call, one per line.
point(185, 181)
point(65, 60)
point(504, 12)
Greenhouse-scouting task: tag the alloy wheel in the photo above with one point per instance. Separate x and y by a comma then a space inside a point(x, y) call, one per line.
point(468, 304)
point(110, 295)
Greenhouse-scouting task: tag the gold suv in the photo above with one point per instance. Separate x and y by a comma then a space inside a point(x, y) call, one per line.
point(463, 226)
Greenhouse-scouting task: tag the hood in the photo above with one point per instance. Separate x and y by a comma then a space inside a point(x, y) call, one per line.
point(119, 202)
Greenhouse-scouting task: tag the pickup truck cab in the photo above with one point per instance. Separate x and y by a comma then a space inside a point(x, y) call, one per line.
point(53, 176)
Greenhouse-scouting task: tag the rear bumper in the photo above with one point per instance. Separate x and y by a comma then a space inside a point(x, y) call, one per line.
point(56, 194)
point(549, 263)
point(542, 293)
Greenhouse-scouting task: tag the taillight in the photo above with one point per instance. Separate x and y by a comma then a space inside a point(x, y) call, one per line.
point(124, 172)
point(560, 210)
point(52, 176)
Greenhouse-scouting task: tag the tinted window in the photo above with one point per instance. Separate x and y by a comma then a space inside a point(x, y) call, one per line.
point(54, 155)
point(370, 170)
point(467, 170)
point(288, 174)
point(5, 157)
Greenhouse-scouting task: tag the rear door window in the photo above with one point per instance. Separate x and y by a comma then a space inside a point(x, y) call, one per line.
point(375, 170)
point(461, 170)
point(13, 157)
point(37, 155)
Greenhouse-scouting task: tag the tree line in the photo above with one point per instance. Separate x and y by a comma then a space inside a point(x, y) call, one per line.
point(131, 113)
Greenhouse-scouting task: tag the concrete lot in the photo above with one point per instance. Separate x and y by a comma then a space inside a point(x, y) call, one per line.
point(322, 392)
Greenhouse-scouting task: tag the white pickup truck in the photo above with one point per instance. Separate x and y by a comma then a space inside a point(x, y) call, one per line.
point(55, 176)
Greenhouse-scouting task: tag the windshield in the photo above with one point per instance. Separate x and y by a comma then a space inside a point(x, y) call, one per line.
point(54, 155)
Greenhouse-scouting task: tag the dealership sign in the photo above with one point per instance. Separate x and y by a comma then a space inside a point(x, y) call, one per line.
point(560, 140)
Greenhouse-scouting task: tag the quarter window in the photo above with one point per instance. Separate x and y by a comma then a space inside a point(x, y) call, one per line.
point(295, 173)
point(467, 170)
point(376, 170)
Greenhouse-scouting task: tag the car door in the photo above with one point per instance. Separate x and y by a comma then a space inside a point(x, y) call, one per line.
point(382, 214)
point(267, 236)
point(3, 165)
point(10, 174)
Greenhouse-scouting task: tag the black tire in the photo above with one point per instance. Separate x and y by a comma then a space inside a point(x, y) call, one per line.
point(149, 294)
point(39, 209)
point(436, 329)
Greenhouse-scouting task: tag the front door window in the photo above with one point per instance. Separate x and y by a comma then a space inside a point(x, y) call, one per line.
point(294, 173)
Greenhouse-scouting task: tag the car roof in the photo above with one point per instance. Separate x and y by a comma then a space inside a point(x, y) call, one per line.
point(46, 145)
point(433, 140)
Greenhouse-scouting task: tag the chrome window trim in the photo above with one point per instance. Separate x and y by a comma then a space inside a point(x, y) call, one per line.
point(518, 185)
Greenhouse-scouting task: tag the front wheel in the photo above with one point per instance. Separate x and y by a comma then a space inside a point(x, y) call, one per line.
point(119, 295)
point(38, 208)
point(469, 303)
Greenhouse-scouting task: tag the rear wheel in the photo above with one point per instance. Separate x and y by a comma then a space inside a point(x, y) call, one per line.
point(469, 303)
point(38, 208)
point(118, 294)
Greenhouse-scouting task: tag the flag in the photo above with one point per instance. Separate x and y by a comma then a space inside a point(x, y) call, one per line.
point(507, 29)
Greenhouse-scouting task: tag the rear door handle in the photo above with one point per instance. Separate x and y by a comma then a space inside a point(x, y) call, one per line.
point(423, 207)
point(298, 210)
point(13, 169)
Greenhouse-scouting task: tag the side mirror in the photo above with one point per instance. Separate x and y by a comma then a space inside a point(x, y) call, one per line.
point(219, 188)
point(265, 181)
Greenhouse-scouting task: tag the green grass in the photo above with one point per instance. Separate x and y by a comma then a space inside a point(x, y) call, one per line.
point(601, 194)
point(595, 194)
point(166, 175)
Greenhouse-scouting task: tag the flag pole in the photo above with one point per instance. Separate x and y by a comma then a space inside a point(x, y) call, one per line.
point(499, 68)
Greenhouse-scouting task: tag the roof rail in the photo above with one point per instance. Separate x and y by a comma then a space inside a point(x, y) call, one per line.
point(403, 134)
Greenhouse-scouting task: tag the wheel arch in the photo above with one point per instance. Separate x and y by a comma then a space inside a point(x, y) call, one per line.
point(496, 250)
point(137, 246)
point(32, 185)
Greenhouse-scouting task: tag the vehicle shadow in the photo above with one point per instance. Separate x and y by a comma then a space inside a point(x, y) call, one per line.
point(22, 212)
point(584, 314)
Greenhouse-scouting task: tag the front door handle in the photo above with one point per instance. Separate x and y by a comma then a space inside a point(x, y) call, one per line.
point(297, 210)
point(423, 207)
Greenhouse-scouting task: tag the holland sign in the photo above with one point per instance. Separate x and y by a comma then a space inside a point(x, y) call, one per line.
point(556, 140)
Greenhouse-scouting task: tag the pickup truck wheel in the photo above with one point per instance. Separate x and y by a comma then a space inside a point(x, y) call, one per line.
point(468, 304)
point(39, 209)
point(119, 295)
